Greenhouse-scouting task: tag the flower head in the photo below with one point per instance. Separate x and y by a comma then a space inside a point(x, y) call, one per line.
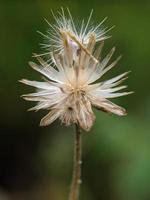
point(70, 87)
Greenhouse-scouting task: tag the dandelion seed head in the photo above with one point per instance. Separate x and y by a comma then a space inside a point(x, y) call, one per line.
point(72, 84)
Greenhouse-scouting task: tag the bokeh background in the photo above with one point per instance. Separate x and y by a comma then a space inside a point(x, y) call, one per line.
point(35, 162)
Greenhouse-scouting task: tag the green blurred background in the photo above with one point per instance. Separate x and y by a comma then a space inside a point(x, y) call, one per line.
point(36, 163)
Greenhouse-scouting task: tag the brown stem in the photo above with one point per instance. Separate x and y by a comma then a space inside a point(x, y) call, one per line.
point(76, 177)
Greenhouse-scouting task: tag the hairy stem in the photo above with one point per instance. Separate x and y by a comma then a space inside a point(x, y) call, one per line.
point(76, 177)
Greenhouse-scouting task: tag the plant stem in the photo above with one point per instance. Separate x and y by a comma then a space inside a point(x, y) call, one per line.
point(76, 177)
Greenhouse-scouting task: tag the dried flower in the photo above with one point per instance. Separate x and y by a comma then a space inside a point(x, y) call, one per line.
point(69, 89)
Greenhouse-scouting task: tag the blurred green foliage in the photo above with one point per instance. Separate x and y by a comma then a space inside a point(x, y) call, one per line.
point(36, 162)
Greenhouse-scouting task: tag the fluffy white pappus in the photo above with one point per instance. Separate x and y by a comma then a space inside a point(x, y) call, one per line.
point(78, 34)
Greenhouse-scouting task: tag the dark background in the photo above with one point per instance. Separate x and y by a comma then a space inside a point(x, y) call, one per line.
point(36, 163)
